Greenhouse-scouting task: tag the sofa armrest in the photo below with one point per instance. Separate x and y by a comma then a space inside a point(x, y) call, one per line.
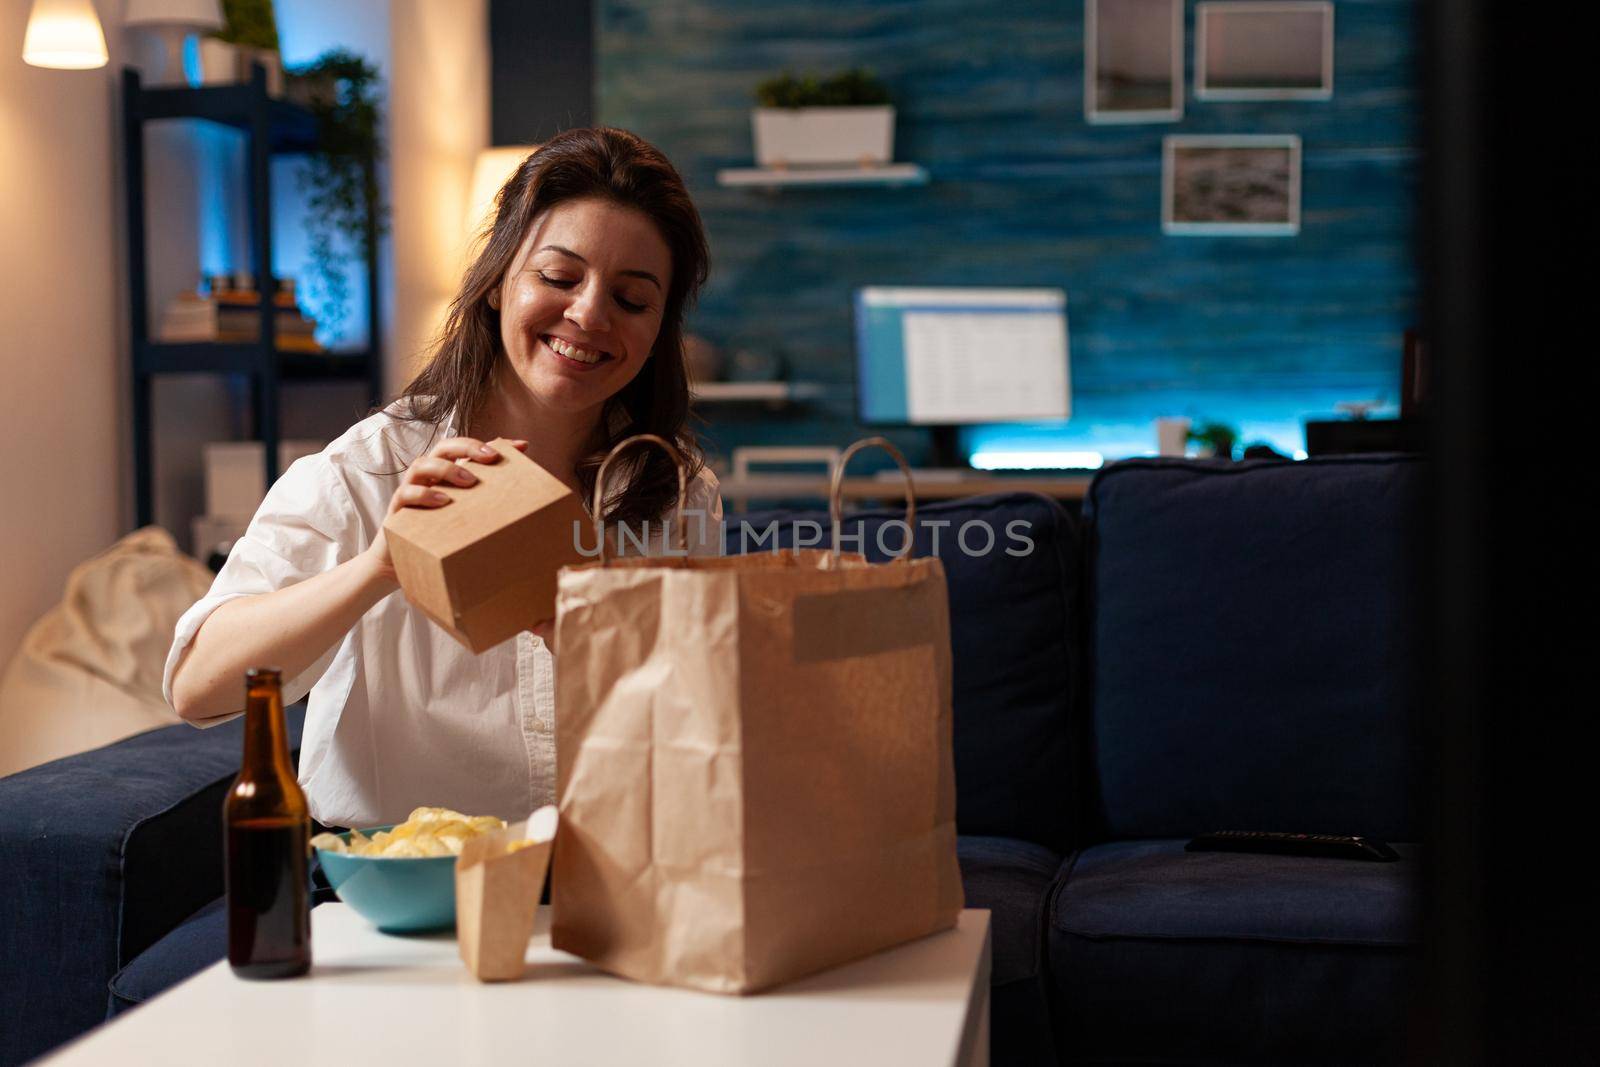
point(100, 855)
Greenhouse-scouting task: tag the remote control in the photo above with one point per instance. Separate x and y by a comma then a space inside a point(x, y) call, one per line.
point(1337, 846)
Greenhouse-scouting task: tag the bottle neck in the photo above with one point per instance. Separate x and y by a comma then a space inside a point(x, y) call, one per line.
point(266, 740)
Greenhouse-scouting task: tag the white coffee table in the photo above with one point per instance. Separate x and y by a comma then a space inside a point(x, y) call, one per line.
point(373, 998)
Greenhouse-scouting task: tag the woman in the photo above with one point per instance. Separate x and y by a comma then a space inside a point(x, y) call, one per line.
point(566, 337)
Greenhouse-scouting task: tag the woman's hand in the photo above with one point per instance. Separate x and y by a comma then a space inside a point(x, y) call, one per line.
point(294, 625)
point(417, 487)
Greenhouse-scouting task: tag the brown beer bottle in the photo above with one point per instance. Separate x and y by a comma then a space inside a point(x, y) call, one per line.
point(268, 830)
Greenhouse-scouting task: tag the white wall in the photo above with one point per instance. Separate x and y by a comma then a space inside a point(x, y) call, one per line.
point(61, 430)
point(63, 424)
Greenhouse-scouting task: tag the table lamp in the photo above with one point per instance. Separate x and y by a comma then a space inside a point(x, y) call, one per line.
point(173, 20)
point(64, 34)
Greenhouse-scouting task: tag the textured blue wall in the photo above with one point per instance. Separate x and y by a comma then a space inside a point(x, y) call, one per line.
point(1258, 331)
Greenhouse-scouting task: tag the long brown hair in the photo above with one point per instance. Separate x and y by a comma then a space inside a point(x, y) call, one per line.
point(627, 170)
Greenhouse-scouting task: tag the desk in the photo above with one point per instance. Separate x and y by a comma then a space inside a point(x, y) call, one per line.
point(403, 1000)
point(737, 492)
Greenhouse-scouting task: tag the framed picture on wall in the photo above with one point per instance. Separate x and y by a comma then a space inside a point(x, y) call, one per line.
point(1243, 185)
point(1263, 50)
point(1133, 60)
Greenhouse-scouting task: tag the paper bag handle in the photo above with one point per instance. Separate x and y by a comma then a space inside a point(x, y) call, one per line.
point(600, 486)
point(836, 505)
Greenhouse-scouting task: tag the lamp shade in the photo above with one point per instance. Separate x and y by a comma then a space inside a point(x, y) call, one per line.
point(494, 168)
point(196, 14)
point(64, 34)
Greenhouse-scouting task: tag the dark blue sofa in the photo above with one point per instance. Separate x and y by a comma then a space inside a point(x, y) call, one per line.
point(1213, 646)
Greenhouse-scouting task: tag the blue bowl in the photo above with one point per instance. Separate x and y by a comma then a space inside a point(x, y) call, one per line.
point(396, 895)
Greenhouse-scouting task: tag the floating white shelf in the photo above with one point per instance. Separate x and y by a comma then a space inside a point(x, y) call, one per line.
point(757, 392)
point(888, 174)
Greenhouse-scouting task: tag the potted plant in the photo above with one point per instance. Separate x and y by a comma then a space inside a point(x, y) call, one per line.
point(1215, 439)
point(249, 35)
point(843, 120)
point(342, 90)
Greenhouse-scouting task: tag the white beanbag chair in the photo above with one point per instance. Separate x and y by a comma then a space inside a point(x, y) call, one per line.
point(89, 672)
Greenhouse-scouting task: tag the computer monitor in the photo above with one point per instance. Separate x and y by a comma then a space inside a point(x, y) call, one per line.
point(952, 357)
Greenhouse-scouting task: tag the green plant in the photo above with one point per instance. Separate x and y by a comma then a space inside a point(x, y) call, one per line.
point(853, 88)
point(340, 179)
point(1218, 435)
point(249, 23)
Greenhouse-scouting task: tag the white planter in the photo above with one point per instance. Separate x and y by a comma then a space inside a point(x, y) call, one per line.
point(823, 136)
point(219, 62)
point(222, 63)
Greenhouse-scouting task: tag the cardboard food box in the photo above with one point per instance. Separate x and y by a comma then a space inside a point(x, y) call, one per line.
point(498, 880)
point(484, 566)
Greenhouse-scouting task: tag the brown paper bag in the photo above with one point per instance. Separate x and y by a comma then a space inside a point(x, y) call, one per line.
point(754, 763)
point(499, 877)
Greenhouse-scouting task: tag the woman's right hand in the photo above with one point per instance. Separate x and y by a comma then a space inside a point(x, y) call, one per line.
point(417, 486)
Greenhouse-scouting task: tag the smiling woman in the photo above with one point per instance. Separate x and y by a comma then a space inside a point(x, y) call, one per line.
point(566, 336)
point(576, 329)
point(569, 325)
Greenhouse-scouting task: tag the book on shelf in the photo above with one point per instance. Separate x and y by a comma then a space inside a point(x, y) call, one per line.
point(189, 317)
point(283, 342)
point(234, 316)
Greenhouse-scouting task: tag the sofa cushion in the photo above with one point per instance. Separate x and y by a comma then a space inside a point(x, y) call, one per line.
point(1159, 954)
point(187, 949)
point(1250, 646)
point(100, 855)
point(191, 947)
point(1012, 879)
point(1013, 594)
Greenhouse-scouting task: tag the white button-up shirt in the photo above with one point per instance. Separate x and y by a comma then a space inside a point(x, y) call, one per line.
point(400, 714)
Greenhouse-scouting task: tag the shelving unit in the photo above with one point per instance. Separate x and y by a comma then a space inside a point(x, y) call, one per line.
point(272, 127)
point(891, 174)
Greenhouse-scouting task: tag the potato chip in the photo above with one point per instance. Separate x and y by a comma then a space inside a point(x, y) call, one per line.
point(426, 832)
point(453, 828)
point(425, 815)
point(330, 843)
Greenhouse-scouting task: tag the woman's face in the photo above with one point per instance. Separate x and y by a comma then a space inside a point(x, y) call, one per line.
point(582, 303)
